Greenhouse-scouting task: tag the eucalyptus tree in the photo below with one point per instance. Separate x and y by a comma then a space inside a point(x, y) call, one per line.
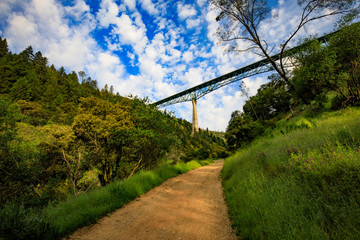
point(240, 22)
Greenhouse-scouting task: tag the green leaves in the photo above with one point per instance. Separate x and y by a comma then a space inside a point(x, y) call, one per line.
point(58, 135)
point(331, 68)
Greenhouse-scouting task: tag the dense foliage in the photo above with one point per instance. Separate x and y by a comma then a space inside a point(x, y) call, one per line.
point(326, 75)
point(61, 134)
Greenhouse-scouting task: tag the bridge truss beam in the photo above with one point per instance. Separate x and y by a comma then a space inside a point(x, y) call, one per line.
point(201, 90)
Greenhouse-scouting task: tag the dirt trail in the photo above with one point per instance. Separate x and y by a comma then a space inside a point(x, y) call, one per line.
point(190, 206)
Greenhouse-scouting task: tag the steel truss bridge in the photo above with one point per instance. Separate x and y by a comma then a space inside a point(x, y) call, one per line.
point(197, 92)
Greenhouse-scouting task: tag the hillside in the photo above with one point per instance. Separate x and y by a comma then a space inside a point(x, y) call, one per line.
point(61, 134)
point(295, 172)
point(302, 184)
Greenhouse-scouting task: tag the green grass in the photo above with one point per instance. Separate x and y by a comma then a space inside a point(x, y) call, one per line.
point(302, 183)
point(59, 220)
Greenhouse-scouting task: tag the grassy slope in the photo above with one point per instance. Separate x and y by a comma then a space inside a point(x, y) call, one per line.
point(64, 218)
point(304, 184)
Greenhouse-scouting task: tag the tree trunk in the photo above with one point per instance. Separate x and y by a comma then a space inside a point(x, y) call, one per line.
point(102, 180)
point(136, 167)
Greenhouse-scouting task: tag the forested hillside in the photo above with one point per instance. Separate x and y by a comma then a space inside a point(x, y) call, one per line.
point(63, 135)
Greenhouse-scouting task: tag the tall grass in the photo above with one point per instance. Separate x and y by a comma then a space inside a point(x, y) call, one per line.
point(56, 221)
point(304, 184)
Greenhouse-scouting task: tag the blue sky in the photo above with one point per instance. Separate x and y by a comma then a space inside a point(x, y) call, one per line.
point(152, 48)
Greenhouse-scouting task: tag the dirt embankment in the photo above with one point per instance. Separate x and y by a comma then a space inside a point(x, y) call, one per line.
point(190, 206)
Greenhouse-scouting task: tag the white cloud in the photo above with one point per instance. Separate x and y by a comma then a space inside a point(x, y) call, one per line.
point(185, 11)
point(151, 69)
point(131, 4)
point(138, 85)
point(78, 10)
point(212, 24)
point(108, 68)
point(129, 33)
point(149, 7)
point(164, 89)
point(192, 23)
point(73, 51)
point(5, 6)
point(188, 56)
point(201, 2)
point(108, 12)
point(253, 84)
point(194, 76)
point(21, 32)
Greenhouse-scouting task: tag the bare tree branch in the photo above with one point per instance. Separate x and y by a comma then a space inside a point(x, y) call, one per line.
point(240, 21)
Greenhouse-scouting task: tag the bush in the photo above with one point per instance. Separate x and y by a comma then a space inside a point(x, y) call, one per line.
point(59, 220)
point(18, 222)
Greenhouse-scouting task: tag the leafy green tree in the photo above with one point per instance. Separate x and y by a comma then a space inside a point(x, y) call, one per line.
point(62, 144)
point(95, 124)
point(143, 145)
point(346, 45)
point(11, 69)
point(34, 85)
point(330, 68)
point(20, 163)
point(21, 89)
point(50, 94)
point(271, 99)
point(3, 47)
point(241, 130)
point(40, 66)
point(67, 112)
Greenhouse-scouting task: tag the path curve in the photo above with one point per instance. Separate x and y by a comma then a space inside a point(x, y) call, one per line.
point(189, 206)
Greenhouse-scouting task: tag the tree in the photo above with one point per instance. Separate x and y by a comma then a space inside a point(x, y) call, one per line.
point(240, 21)
point(20, 164)
point(35, 86)
point(82, 75)
point(95, 125)
point(346, 45)
point(40, 64)
point(3, 47)
point(245, 91)
point(334, 67)
point(241, 130)
point(271, 99)
point(315, 75)
point(62, 145)
point(21, 89)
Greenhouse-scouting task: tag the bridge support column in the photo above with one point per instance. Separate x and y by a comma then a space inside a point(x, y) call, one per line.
point(195, 125)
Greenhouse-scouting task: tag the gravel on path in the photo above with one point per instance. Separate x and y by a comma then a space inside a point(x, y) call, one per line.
point(190, 206)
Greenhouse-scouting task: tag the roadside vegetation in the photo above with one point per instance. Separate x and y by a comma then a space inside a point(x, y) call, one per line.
point(295, 173)
point(303, 184)
point(66, 142)
point(60, 219)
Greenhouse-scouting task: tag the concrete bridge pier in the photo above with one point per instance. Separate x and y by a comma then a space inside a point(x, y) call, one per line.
point(195, 125)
